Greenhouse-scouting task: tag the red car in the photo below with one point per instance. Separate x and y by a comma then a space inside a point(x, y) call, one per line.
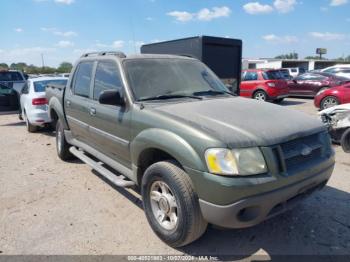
point(333, 96)
point(310, 84)
point(264, 85)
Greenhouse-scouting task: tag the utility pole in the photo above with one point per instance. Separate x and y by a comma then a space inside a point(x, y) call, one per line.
point(42, 60)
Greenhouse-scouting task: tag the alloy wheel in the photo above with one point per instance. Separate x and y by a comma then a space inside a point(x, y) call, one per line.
point(164, 205)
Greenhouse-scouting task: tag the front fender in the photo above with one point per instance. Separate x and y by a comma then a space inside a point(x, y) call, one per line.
point(168, 142)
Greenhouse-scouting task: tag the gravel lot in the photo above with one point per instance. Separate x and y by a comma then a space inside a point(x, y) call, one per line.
point(51, 207)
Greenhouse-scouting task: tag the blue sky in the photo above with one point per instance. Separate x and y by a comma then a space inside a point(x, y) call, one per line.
point(63, 29)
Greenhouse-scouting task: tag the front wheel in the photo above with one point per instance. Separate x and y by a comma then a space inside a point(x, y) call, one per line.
point(260, 95)
point(345, 141)
point(61, 144)
point(171, 204)
point(329, 101)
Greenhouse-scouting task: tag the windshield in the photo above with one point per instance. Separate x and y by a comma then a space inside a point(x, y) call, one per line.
point(170, 77)
point(10, 76)
point(39, 86)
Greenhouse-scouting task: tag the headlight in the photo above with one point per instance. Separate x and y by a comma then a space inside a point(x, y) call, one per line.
point(243, 162)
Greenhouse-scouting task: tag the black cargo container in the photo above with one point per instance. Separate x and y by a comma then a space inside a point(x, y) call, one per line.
point(222, 55)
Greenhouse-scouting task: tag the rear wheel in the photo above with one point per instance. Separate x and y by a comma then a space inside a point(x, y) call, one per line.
point(260, 95)
point(345, 141)
point(61, 144)
point(329, 101)
point(171, 204)
point(30, 128)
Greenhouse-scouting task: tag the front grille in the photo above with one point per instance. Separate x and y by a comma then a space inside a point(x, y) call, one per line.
point(297, 154)
point(299, 161)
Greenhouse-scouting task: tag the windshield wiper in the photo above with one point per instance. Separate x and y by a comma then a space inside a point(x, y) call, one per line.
point(164, 97)
point(213, 92)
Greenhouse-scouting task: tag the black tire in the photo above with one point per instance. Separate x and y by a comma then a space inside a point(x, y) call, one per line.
point(345, 141)
point(326, 104)
point(190, 222)
point(260, 95)
point(62, 146)
point(280, 100)
point(30, 128)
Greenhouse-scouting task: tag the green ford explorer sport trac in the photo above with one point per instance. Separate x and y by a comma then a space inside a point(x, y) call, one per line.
point(169, 127)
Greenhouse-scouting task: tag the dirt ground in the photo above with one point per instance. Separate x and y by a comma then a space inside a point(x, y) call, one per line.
point(51, 207)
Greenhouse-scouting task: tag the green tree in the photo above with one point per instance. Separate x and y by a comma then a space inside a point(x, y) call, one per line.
point(292, 55)
point(4, 66)
point(65, 67)
point(18, 66)
point(315, 57)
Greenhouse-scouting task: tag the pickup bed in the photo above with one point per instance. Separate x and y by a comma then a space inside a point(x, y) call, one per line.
point(199, 154)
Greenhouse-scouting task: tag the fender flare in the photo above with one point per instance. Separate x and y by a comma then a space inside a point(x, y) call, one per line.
point(168, 142)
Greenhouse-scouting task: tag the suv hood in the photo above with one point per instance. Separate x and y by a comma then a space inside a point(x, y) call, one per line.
point(241, 122)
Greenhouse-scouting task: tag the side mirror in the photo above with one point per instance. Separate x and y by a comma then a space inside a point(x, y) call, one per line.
point(111, 97)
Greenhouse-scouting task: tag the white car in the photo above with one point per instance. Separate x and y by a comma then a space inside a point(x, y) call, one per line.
point(34, 103)
point(295, 71)
point(64, 75)
point(339, 70)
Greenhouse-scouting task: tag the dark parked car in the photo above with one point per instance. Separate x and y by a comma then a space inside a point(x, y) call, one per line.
point(11, 84)
point(310, 84)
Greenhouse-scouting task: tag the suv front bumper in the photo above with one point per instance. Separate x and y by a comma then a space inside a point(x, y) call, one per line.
point(253, 210)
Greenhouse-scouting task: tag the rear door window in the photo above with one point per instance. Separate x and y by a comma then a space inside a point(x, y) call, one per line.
point(107, 78)
point(311, 77)
point(83, 79)
point(272, 75)
point(331, 70)
point(250, 76)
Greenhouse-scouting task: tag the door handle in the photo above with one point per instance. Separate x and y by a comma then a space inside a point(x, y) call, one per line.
point(68, 103)
point(92, 111)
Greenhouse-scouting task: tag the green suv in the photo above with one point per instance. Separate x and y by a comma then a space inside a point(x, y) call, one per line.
point(199, 154)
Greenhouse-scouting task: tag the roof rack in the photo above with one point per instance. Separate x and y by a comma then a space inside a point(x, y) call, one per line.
point(104, 53)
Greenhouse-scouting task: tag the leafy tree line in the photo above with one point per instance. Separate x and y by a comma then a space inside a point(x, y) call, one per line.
point(64, 67)
point(316, 57)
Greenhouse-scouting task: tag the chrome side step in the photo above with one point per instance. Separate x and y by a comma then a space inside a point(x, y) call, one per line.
point(118, 180)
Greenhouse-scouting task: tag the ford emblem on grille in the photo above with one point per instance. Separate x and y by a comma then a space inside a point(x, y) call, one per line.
point(306, 150)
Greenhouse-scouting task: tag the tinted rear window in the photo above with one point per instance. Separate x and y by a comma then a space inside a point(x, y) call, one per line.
point(285, 74)
point(10, 76)
point(40, 86)
point(272, 75)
